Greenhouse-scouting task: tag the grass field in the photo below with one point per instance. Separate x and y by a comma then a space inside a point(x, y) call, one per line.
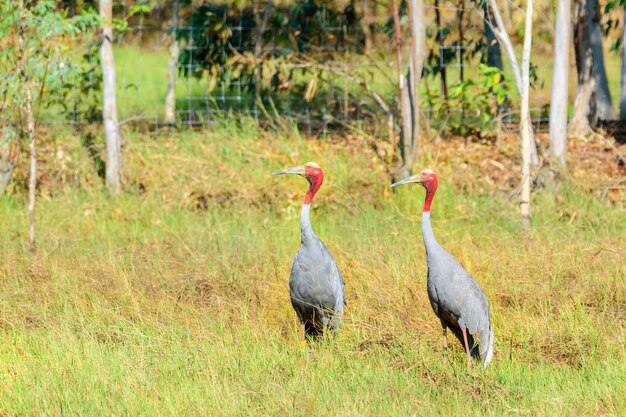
point(173, 298)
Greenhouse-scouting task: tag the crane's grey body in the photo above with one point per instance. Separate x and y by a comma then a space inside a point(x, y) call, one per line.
point(315, 285)
point(456, 298)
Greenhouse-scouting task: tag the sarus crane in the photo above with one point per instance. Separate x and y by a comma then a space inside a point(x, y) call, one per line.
point(315, 284)
point(454, 294)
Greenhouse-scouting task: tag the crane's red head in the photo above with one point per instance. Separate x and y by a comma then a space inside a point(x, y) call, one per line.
point(429, 181)
point(312, 172)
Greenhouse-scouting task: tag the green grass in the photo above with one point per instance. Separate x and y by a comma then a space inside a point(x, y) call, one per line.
point(173, 298)
point(142, 75)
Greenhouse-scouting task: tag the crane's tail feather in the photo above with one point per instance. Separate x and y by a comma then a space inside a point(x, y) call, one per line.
point(489, 354)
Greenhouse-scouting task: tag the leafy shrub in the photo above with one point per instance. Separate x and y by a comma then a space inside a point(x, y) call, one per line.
point(472, 105)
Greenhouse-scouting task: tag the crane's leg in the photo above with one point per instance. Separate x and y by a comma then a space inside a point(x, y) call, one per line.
point(469, 356)
point(445, 345)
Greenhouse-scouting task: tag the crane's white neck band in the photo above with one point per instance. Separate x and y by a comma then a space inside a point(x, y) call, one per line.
point(305, 222)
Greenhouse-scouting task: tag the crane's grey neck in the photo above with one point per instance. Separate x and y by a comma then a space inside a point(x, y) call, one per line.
point(305, 224)
point(427, 233)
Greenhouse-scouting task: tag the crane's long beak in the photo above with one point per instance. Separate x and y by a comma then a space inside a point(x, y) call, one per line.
point(414, 178)
point(295, 170)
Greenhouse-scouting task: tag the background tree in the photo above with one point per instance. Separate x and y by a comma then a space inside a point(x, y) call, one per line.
point(622, 97)
point(172, 69)
point(525, 119)
point(418, 50)
point(494, 55)
point(560, 77)
point(7, 154)
point(109, 114)
point(37, 61)
point(593, 100)
point(30, 126)
point(404, 102)
point(501, 33)
point(443, 78)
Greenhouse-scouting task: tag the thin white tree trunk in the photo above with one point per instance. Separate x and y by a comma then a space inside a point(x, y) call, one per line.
point(418, 35)
point(170, 97)
point(500, 31)
point(558, 102)
point(622, 100)
point(32, 179)
point(111, 125)
point(407, 125)
point(525, 120)
point(30, 126)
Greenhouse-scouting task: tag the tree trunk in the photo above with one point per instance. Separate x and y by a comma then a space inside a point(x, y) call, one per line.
point(593, 100)
point(442, 64)
point(585, 115)
point(32, 179)
point(494, 55)
point(558, 101)
point(418, 50)
point(604, 103)
point(261, 25)
point(622, 99)
point(111, 125)
point(6, 171)
point(459, 14)
point(170, 97)
point(525, 119)
point(6, 161)
point(30, 130)
point(406, 100)
point(500, 31)
point(402, 171)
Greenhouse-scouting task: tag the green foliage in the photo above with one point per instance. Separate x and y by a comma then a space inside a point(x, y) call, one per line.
point(472, 105)
point(49, 55)
point(224, 39)
point(609, 24)
point(80, 92)
point(120, 25)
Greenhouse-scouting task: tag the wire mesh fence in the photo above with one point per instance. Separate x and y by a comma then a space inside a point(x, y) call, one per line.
point(319, 64)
